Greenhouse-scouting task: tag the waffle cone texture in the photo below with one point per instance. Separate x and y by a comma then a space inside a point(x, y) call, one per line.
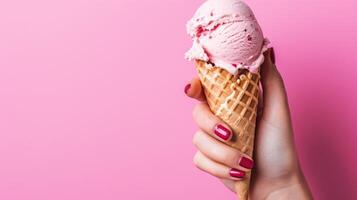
point(234, 99)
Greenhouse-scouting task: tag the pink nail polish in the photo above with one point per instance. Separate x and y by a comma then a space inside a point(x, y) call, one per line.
point(236, 173)
point(222, 132)
point(187, 88)
point(272, 55)
point(246, 163)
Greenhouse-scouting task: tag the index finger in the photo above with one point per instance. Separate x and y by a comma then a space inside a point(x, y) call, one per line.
point(195, 90)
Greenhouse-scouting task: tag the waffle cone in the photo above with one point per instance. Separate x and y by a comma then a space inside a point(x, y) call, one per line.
point(234, 99)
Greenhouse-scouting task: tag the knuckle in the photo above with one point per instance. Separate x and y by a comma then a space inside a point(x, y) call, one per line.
point(196, 159)
point(200, 109)
point(229, 158)
point(234, 158)
point(196, 110)
point(196, 138)
point(217, 152)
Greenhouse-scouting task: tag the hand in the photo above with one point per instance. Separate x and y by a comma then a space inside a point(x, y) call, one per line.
point(277, 173)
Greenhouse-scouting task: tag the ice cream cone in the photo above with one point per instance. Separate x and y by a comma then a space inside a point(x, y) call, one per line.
point(234, 99)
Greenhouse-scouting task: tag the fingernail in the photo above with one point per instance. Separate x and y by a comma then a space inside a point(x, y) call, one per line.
point(236, 173)
point(187, 88)
point(246, 163)
point(272, 55)
point(222, 132)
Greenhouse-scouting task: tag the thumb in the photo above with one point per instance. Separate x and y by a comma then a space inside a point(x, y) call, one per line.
point(275, 102)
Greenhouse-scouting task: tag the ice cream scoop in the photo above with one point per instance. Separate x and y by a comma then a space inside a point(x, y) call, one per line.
point(226, 33)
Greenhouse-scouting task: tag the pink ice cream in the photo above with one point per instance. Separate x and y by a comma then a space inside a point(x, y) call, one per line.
point(226, 33)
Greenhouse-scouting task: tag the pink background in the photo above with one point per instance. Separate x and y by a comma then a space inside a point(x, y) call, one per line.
point(92, 103)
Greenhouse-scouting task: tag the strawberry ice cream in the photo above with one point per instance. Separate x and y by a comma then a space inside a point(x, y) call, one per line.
point(226, 33)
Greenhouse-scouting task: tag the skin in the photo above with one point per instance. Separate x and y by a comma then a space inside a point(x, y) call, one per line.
point(277, 173)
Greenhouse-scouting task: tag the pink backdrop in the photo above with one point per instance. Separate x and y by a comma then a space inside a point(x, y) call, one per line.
point(92, 103)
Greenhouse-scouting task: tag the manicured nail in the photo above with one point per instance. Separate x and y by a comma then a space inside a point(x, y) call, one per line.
point(222, 132)
point(236, 173)
point(187, 88)
point(272, 55)
point(246, 163)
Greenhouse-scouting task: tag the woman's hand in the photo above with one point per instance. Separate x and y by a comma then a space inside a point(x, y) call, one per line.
point(276, 173)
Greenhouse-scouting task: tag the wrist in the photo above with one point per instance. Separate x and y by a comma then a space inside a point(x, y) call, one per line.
point(294, 188)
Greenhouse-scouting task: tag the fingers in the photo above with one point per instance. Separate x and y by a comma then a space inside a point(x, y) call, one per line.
point(211, 124)
point(272, 81)
point(222, 153)
point(217, 169)
point(275, 100)
point(194, 89)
